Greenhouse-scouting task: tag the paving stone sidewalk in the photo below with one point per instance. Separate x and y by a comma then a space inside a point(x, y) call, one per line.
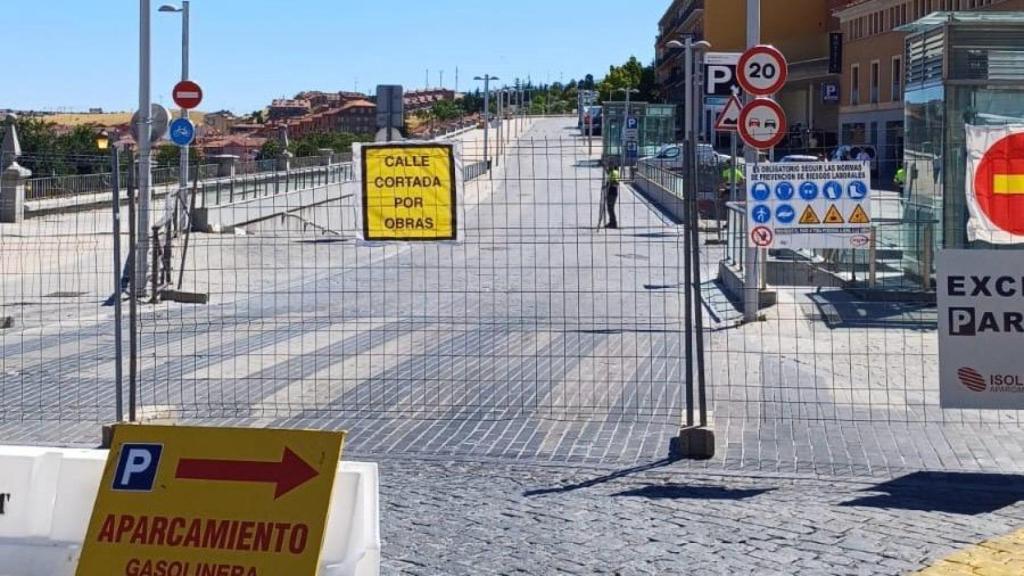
point(441, 517)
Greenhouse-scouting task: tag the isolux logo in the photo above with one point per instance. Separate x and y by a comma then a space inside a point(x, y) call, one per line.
point(976, 382)
point(972, 379)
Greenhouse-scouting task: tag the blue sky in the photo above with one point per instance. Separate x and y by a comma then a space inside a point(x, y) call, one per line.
point(83, 53)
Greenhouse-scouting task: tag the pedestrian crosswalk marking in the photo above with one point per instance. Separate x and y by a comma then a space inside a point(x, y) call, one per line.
point(810, 216)
point(859, 216)
point(834, 216)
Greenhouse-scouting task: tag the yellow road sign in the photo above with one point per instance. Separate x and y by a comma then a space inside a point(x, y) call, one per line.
point(194, 501)
point(409, 192)
point(810, 217)
point(859, 216)
point(834, 216)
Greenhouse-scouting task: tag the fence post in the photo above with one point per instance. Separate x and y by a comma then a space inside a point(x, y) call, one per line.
point(873, 259)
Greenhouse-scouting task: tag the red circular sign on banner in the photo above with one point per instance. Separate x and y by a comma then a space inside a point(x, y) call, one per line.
point(762, 123)
point(762, 70)
point(999, 184)
point(187, 94)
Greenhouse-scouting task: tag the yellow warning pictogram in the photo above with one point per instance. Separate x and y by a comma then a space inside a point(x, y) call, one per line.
point(810, 217)
point(859, 216)
point(834, 216)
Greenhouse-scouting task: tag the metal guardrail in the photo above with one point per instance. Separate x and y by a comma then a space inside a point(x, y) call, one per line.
point(84, 184)
point(228, 190)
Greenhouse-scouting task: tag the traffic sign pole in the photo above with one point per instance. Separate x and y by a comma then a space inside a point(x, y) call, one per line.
point(752, 281)
point(182, 217)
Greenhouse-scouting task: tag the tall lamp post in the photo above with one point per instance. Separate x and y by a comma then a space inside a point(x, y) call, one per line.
point(183, 163)
point(697, 439)
point(486, 79)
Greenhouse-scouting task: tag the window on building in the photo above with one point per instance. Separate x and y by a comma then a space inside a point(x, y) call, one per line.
point(874, 81)
point(855, 85)
point(897, 79)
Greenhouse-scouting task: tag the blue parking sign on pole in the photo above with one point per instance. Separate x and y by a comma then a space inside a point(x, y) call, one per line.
point(183, 132)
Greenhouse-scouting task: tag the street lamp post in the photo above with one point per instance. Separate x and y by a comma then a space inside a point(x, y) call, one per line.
point(486, 79)
point(183, 163)
point(145, 131)
point(696, 440)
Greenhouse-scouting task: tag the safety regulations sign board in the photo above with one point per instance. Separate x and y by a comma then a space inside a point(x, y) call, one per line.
point(981, 328)
point(184, 500)
point(995, 183)
point(809, 205)
point(410, 192)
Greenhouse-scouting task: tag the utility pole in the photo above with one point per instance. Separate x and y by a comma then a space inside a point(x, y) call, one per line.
point(752, 280)
point(426, 80)
point(486, 79)
point(183, 163)
point(456, 79)
point(145, 147)
point(441, 77)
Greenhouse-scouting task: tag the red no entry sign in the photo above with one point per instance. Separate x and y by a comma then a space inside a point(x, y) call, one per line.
point(187, 94)
point(999, 184)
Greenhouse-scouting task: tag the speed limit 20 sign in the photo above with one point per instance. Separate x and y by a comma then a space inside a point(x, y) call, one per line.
point(762, 70)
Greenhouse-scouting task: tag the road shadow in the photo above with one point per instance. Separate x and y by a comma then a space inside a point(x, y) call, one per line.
point(684, 492)
point(842, 309)
point(968, 494)
point(601, 479)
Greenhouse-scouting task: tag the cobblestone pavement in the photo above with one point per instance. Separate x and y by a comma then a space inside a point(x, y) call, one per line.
point(441, 517)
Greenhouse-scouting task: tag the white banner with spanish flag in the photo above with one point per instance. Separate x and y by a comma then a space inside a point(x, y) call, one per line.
point(995, 184)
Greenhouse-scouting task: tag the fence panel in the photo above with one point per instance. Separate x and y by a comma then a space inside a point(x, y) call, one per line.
point(535, 312)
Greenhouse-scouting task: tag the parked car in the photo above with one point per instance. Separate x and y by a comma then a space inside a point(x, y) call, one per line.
point(797, 158)
point(594, 115)
point(670, 157)
point(848, 152)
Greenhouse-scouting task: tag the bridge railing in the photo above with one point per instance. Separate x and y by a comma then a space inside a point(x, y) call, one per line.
point(99, 183)
point(238, 188)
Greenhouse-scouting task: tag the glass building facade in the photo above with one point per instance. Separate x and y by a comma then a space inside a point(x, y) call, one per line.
point(656, 127)
point(963, 68)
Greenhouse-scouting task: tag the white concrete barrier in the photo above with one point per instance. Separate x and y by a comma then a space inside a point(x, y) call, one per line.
point(52, 491)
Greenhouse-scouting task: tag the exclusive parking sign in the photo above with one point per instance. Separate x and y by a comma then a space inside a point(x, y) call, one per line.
point(981, 329)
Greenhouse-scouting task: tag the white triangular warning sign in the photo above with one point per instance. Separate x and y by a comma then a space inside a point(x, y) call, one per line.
point(834, 216)
point(859, 216)
point(729, 119)
point(810, 217)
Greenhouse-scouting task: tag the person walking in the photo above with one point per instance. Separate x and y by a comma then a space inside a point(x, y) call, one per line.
point(612, 197)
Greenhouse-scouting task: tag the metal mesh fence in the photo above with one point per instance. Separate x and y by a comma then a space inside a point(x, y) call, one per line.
point(535, 312)
point(56, 272)
point(537, 315)
point(841, 335)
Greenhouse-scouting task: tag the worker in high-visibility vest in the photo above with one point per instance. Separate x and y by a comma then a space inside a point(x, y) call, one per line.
point(612, 196)
point(731, 173)
point(900, 179)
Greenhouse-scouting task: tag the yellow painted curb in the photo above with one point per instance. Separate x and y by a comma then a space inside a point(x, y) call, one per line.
point(1003, 556)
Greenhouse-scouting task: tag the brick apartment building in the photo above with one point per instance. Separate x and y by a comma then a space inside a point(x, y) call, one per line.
point(872, 111)
point(283, 109)
point(357, 117)
point(423, 99)
point(812, 117)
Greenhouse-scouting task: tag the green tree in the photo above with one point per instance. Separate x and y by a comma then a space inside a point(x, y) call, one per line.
point(271, 149)
point(445, 110)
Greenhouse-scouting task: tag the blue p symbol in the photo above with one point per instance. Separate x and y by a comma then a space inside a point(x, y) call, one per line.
point(136, 467)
